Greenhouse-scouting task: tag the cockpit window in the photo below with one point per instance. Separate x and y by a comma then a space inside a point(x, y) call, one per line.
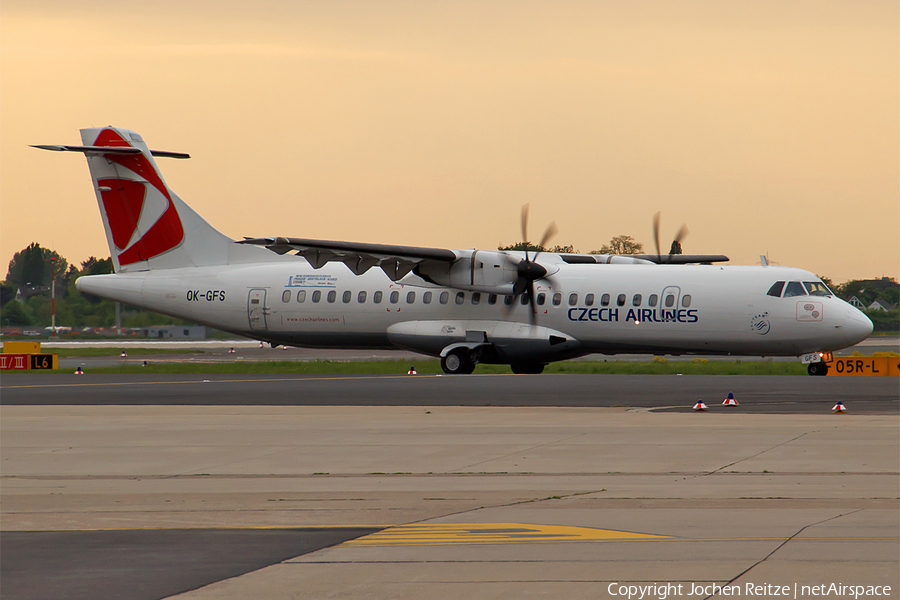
point(817, 288)
point(794, 288)
point(776, 288)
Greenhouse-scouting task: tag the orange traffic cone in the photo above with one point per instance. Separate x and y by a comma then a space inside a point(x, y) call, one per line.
point(699, 405)
point(730, 401)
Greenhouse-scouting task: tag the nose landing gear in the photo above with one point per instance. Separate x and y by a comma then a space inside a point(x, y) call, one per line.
point(817, 369)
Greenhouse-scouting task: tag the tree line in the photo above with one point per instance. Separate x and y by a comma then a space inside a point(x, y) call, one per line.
point(25, 295)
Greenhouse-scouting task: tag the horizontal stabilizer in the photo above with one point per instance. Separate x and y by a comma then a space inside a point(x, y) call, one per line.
point(109, 150)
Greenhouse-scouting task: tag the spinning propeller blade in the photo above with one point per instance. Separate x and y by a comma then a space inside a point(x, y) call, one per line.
point(527, 269)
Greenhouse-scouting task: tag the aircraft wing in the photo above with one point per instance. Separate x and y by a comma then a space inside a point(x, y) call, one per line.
point(395, 261)
point(682, 259)
point(661, 259)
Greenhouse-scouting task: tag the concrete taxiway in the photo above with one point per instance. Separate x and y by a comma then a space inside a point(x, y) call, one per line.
point(461, 501)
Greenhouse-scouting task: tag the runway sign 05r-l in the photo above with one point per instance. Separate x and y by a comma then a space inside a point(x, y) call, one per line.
point(865, 366)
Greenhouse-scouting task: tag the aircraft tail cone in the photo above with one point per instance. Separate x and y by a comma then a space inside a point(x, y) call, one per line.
point(730, 401)
point(838, 408)
point(412, 371)
point(699, 406)
point(124, 354)
point(79, 371)
point(261, 345)
point(231, 351)
point(145, 364)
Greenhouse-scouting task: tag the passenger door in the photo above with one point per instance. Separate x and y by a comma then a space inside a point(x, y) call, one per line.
point(256, 309)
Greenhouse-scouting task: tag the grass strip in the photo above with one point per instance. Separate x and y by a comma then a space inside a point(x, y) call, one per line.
point(432, 367)
point(76, 352)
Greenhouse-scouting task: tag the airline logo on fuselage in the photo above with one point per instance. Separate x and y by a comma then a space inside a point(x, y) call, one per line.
point(760, 323)
point(644, 315)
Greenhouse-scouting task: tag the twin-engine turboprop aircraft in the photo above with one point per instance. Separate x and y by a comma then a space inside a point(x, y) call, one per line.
point(465, 306)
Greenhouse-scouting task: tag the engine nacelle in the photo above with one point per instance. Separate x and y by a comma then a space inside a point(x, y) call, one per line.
point(476, 270)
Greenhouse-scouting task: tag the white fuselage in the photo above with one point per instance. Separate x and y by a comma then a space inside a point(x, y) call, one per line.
point(712, 309)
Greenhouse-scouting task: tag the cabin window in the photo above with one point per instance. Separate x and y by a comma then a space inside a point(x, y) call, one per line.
point(301, 296)
point(620, 301)
point(525, 298)
point(573, 299)
point(361, 298)
point(589, 300)
point(670, 301)
point(332, 296)
point(445, 297)
point(686, 301)
point(395, 297)
point(794, 288)
point(557, 299)
point(460, 297)
point(492, 299)
point(776, 288)
point(426, 298)
point(476, 298)
point(816, 288)
point(410, 297)
point(636, 300)
point(376, 298)
point(286, 296)
point(541, 298)
point(317, 295)
point(604, 300)
point(507, 300)
point(651, 301)
point(347, 297)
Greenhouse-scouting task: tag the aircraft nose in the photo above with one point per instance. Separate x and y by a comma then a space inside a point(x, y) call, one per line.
point(857, 325)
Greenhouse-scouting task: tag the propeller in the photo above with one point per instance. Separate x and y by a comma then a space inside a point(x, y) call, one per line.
point(528, 271)
point(676, 243)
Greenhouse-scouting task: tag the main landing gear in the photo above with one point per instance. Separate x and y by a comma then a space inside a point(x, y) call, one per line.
point(458, 362)
point(462, 361)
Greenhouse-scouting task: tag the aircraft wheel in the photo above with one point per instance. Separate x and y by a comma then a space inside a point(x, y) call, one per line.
point(457, 362)
point(527, 368)
point(817, 369)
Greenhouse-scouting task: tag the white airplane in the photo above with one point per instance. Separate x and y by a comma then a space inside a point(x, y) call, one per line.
point(464, 306)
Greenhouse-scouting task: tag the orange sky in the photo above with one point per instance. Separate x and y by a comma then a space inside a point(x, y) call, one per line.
point(768, 127)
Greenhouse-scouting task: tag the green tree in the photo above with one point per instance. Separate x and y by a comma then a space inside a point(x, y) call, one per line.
point(33, 266)
point(570, 249)
point(621, 244)
point(522, 247)
point(94, 266)
point(7, 293)
point(15, 313)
